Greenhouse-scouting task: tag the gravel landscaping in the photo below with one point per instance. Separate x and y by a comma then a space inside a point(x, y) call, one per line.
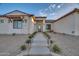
point(10, 45)
point(69, 44)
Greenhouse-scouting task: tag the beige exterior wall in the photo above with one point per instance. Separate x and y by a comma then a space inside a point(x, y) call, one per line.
point(24, 30)
point(30, 25)
point(4, 27)
point(77, 23)
point(52, 26)
point(44, 24)
point(65, 25)
point(7, 28)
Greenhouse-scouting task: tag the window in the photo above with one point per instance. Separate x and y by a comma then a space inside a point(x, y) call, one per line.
point(17, 24)
point(48, 26)
point(1, 21)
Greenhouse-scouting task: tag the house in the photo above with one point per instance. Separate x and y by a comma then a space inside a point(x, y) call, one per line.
point(18, 22)
point(68, 23)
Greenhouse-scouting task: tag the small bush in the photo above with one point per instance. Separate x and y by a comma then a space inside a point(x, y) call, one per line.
point(23, 47)
point(32, 35)
point(28, 41)
point(51, 41)
point(56, 49)
point(51, 31)
point(13, 34)
point(47, 35)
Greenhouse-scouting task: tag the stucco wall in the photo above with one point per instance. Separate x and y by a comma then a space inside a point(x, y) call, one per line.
point(4, 27)
point(30, 25)
point(24, 30)
point(65, 25)
point(77, 23)
point(7, 28)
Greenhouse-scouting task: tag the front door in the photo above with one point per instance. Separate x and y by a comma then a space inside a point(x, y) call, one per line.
point(39, 25)
point(40, 28)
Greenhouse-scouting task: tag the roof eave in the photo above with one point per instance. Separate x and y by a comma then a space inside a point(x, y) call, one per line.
point(74, 10)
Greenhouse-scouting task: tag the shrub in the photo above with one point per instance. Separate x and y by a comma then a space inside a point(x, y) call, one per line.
point(51, 41)
point(13, 34)
point(23, 47)
point(32, 35)
point(47, 35)
point(51, 31)
point(28, 41)
point(56, 49)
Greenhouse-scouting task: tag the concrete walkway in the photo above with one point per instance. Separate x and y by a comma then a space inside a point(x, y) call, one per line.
point(39, 46)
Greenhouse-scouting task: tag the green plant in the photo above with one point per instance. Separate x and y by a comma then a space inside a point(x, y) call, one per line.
point(28, 41)
point(49, 31)
point(56, 49)
point(23, 47)
point(32, 35)
point(13, 34)
point(46, 34)
point(51, 41)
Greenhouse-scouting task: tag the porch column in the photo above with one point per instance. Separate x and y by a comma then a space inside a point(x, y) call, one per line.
point(43, 25)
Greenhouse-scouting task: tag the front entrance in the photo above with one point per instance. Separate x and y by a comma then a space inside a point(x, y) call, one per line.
point(39, 26)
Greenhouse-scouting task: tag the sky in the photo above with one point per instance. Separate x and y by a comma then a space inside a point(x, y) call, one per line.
point(51, 10)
